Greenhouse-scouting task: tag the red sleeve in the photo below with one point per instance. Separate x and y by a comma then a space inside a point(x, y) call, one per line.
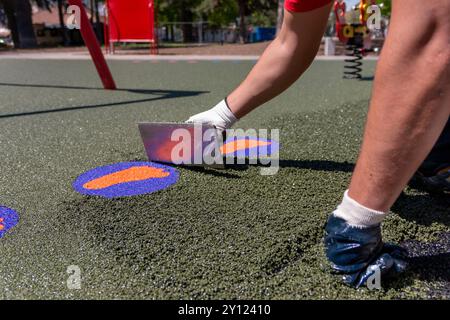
point(305, 5)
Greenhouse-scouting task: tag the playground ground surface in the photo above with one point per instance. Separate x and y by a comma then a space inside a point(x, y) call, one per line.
point(171, 49)
point(165, 49)
point(214, 234)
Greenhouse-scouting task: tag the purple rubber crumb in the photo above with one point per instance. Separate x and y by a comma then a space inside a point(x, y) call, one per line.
point(431, 262)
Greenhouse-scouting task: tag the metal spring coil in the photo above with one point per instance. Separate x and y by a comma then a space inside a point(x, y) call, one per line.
point(353, 64)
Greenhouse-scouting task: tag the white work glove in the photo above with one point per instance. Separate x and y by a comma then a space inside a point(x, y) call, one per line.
point(220, 116)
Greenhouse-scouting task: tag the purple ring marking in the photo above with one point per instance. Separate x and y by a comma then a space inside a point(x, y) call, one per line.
point(8, 219)
point(126, 189)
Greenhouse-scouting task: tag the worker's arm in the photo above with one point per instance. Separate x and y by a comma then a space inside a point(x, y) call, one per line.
point(282, 63)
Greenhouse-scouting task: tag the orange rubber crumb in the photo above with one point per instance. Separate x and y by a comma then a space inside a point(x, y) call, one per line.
point(241, 144)
point(124, 176)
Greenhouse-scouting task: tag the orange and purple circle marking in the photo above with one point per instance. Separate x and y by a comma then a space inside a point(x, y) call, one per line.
point(8, 219)
point(126, 179)
point(249, 147)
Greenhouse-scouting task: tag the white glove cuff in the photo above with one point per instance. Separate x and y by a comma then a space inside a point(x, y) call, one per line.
point(225, 113)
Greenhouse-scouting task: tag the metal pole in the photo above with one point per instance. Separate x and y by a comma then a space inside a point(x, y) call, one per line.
point(94, 47)
point(200, 32)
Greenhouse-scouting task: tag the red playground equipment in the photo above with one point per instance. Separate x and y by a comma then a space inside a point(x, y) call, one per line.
point(339, 11)
point(353, 35)
point(94, 47)
point(131, 21)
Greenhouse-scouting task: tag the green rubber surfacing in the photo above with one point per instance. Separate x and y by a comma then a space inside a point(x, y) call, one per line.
point(215, 234)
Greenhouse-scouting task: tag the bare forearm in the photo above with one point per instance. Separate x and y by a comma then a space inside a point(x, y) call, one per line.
point(283, 62)
point(276, 71)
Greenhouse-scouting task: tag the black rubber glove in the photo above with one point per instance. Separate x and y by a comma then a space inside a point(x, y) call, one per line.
point(358, 252)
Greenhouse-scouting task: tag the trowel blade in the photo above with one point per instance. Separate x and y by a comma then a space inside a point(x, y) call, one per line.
point(164, 140)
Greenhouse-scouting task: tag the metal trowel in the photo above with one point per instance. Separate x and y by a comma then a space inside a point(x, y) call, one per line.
point(185, 144)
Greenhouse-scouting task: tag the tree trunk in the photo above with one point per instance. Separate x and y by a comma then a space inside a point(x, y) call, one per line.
point(242, 25)
point(20, 23)
point(98, 25)
point(27, 38)
point(97, 13)
point(10, 12)
point(186, 16)
point(91, 11)
point(95, 21)
point(62, 25)
point(280, 15)
point(171, 31)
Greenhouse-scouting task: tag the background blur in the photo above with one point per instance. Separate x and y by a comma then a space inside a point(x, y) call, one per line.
point(41, 23)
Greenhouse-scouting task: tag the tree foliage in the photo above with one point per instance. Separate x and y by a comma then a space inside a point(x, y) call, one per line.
point(45, 4)
point(218, 12)
point(18, 14)
point(386, 7)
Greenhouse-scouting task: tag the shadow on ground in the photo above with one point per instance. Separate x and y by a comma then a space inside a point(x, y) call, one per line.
point(424, 209)
point(160, 95)
point(369, 78)
point(428, 262)
point(316, 165)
